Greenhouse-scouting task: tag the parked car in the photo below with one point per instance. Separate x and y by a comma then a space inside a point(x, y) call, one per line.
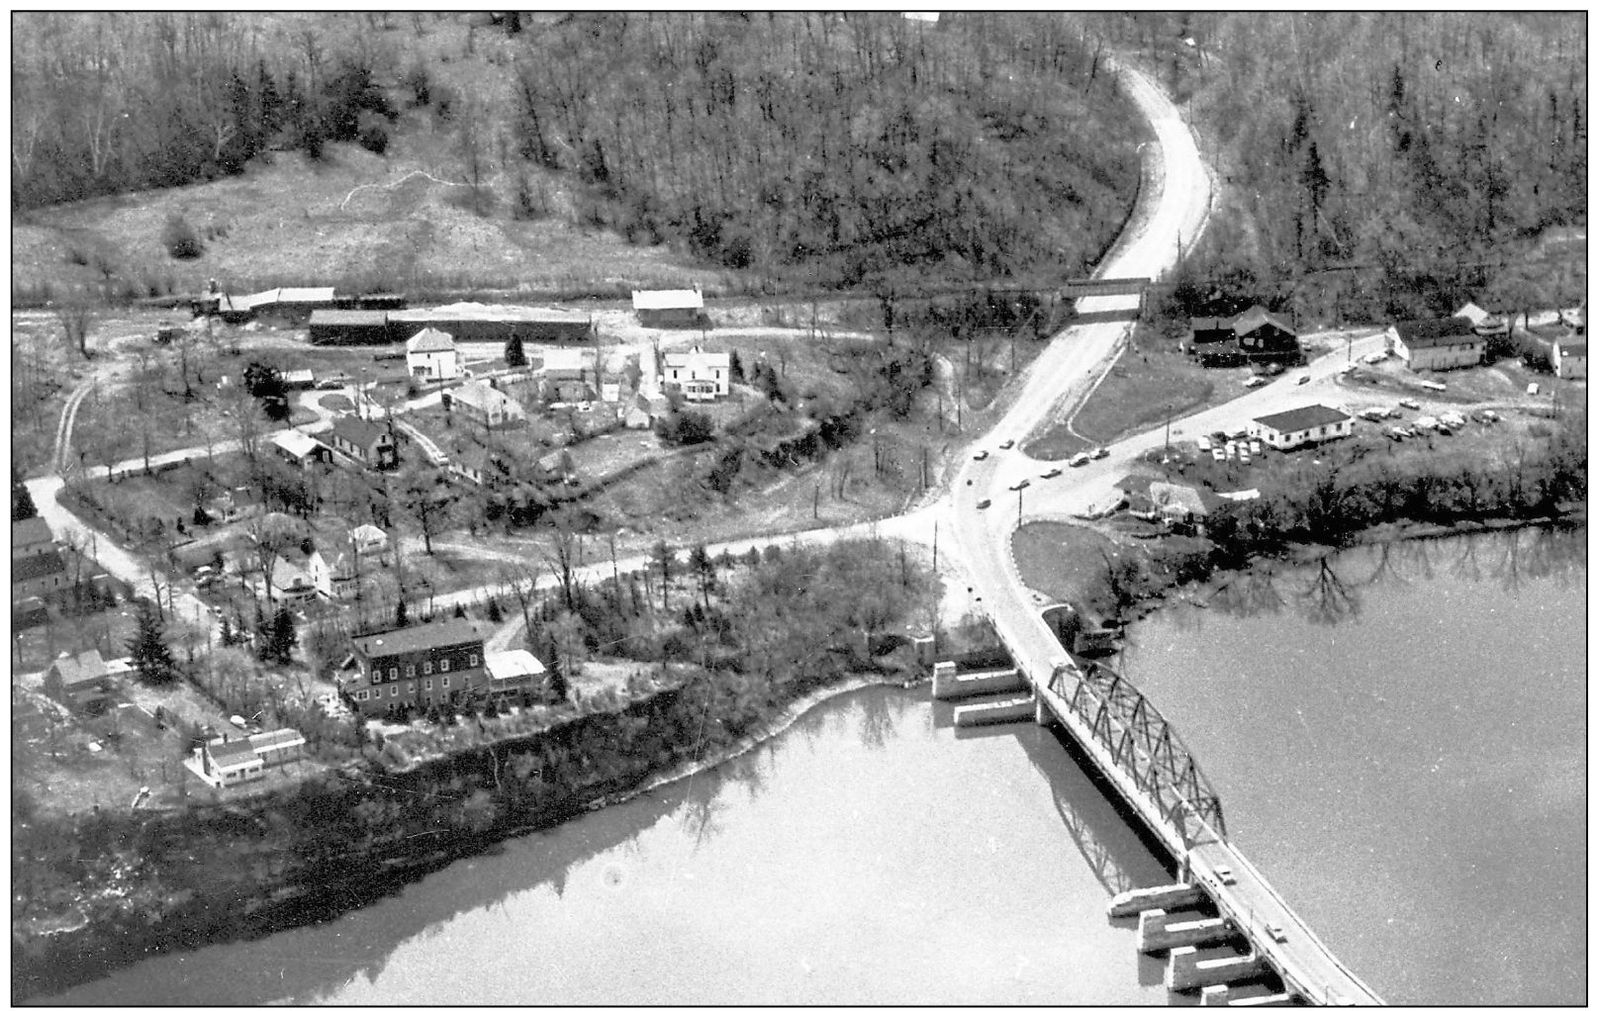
point(1219, 454)
point(1412, 405)
point(1007, 444)
point(1025, 483)
point(1302, 379)
point(1079, 460)
point(333, 382)
point(1100, 452)
point(1257, 446)
point(1052, 472)
point(984, 503)
point(1430, 384)
point(1203, 444)
point(1256, 381)
point(981, 454)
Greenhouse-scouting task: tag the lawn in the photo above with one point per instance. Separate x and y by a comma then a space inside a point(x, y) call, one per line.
point(1147, 385)
point(1060, 560)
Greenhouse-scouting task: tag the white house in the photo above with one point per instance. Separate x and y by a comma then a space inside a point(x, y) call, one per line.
point(290, 581)
point(431, 355)
point(1301, 425)
point(333, 573)
point(1568, 356)
point(513, 670)
point(1448, 343)
point(701, 375)
point(368, 540)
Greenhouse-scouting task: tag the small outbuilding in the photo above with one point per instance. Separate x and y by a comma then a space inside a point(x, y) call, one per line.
point(680, 307)
point(298, 448)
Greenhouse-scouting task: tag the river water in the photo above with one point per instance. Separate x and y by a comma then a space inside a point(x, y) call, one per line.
point(1399, 739)
point(1401, 750)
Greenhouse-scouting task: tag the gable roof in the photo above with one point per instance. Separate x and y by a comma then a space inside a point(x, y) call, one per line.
point(697, 359)
point(674, 298)
point(233, 754)
point(359, 431)
point(1257, 316)
point(1211, 323)
point(348, 317)
point(28, 532)
point(571, 360)
point(33, 566)
point(292, 440)
point(1472, 312)
point(433, 635)
point(74, 670)
point(1425, 333)
point(483, 312)
point(368, 534)
point(430, 339)
point(1300, 418)
point(275, 740)
point(479, 395)
point(1177, 498)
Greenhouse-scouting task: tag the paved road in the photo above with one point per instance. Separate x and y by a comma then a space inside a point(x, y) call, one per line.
point(1057, 382)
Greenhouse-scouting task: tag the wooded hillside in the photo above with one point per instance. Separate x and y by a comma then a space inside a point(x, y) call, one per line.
point(1425, 149)
point(813, 149)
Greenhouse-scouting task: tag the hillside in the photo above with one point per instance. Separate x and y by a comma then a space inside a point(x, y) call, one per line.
point(559, 155)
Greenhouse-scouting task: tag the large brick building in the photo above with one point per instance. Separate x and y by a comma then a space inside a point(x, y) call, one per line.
point(406, 670)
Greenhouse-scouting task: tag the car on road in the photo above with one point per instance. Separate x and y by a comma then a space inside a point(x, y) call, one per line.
point(981, 454)
point(1256, 381)
point(1412, 405)
point(1303, 379)
point(1276, 933)
point(1021, 486)
point(1052, 472)
point(1079, 460)
point(1226, 875)
point(1100, 452)
point(1007, 444)
point(984, 503)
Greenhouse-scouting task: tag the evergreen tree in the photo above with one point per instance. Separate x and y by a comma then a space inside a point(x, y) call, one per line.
point(284, 636)
point(401, 619)
point(515, 354)
point(22, 507)
point(737, 367)
point(148, 651)
point(226, 633)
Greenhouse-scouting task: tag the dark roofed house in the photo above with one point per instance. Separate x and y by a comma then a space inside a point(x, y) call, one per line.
point(365, 442)
point(77, 680)
point(1210, 330)
point(1264, 336)
point(410, 669)
point(1301, 426)
point(1447, 343)
point(31, 537)
point(40, 575)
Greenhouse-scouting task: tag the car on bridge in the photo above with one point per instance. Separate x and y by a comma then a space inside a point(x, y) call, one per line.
point(981, 454)
point(1276, 933)
point(984, 503)
point(1226, 875)
point(1079, 460)
point(1052, 472)
point(1007, 444)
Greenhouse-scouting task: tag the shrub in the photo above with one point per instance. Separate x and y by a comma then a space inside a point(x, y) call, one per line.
point(180, 238)
point(373, 134)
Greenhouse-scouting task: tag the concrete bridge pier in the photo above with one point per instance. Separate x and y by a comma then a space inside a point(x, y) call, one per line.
point(1045, 715)
point(1190, 968)
point(1219, 995)
point(1168, 897)
point(1158, 930)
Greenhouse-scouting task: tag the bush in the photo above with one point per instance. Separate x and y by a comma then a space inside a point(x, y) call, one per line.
point(373, 134)
point(180, 238)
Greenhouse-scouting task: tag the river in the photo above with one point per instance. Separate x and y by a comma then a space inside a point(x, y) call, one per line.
point(868, 855)
point(1399, 739)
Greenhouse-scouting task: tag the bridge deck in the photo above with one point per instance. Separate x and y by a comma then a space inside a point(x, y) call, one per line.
point(1302, 960)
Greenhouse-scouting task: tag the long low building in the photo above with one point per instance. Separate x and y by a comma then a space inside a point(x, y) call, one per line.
point(465, 321)
point(1301, 426)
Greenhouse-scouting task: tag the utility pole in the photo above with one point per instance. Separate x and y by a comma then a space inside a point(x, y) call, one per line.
point(1020, 504)
point(934, 564)
point(1167, 410)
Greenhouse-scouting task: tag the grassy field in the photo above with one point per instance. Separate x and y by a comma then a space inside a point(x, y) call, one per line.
point(1060, 559)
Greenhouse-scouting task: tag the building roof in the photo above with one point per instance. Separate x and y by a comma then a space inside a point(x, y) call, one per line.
point(233, 754)
point(1303, 418)
point(675, 298)
point(286, 572)
point(348, 317)
point(698, 359)
point(1211, 323)
point(366, 533)
point(1424, 333)
point(490, 313)
point(28, 532)
point(292, 440)
point(1573, 344)
point(434, 635)
point(512, 663)
point(273, 740)
point(430, 339)
point(303, 295)
point(33, 566)
point(479, 395)
point(359, 431)
point(571, 360)
point(1250, 320)
point(75, 670)
point(1472, 312)
point(1177, 498)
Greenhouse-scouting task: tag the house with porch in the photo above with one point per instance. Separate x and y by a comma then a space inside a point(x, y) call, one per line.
point(699, 374)
point(431, 355)
point(1301, 426)
point(290, 579)
point(333, 573)
point(1265, 337)
point(78, 681)
point(512, 671)
point(366, 442)
point(1447, 343)
point(407, 670)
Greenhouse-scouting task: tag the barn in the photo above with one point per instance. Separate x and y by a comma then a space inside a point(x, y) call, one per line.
point(349, 326)
point(474, 321)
